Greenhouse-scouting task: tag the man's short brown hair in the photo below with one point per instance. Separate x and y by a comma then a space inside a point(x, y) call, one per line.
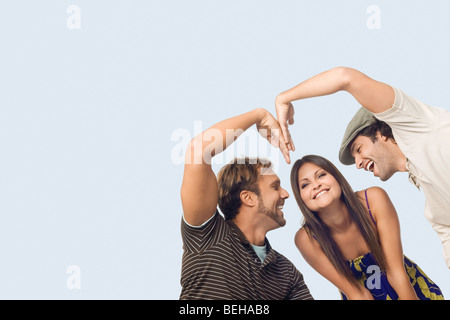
point(362, 123)
point(241, 174)
point(377, 126)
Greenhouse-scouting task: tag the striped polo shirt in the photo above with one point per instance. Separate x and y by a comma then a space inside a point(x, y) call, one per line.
point(220, 264)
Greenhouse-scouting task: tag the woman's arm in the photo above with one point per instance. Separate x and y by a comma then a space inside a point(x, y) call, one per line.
point(316, 258)
point(388, 228)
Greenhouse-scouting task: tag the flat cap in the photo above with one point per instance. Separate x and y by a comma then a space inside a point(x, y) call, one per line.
point(362, 119)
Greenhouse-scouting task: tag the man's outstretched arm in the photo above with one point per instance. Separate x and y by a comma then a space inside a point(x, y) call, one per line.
point(199, 191)
point(373, 95)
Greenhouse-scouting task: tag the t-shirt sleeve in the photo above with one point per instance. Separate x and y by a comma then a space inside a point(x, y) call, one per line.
point(409, 115)
point(199, 238)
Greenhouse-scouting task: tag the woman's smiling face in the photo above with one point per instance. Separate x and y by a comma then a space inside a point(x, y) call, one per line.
point(318, 188)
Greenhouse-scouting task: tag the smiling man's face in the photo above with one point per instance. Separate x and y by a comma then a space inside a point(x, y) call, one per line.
point(271, 199)
point(374, 156)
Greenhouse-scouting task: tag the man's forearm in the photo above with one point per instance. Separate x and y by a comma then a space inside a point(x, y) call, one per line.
point(373, 95)
point(220, 136)
point(325, 83)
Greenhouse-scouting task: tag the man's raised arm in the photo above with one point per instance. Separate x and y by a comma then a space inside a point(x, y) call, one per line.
point(373, 95)
point(199, 191)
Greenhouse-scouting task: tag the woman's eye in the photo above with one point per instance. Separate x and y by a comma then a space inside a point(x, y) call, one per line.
point(304, 185)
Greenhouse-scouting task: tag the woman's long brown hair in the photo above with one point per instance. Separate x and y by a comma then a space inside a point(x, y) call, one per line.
point(316, 228)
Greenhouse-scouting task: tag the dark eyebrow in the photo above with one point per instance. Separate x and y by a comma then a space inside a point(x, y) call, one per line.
point(314, 174)
point(276, 182)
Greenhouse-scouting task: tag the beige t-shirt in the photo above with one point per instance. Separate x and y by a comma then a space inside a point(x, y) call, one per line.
point(423, 134)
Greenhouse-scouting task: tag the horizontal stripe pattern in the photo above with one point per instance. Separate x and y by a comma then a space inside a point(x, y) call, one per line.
point(220, 264)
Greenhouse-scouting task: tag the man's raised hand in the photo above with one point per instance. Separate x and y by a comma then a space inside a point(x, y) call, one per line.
point(285, 116)
point(270, 129)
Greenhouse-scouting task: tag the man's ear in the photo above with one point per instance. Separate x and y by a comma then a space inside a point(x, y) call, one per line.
point(385, 138)
point(248, 198)
point(381, 137)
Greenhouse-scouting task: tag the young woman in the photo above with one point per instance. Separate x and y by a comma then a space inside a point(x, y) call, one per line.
point(353, 238)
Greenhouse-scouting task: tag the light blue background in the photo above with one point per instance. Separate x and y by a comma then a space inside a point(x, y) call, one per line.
point(87, 175)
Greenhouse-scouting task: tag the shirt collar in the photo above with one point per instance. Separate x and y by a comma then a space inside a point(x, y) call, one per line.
point(271, 256)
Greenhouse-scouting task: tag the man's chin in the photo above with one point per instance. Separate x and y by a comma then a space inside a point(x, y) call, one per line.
point(278, 222)
point(281, 222)
point(385, 177)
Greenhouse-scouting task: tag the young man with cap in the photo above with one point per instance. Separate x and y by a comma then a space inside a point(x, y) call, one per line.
point(230, 257)
point(392, 132)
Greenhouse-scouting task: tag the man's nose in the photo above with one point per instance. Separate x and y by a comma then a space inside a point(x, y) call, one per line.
point(285, 194)
point(358, 162)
